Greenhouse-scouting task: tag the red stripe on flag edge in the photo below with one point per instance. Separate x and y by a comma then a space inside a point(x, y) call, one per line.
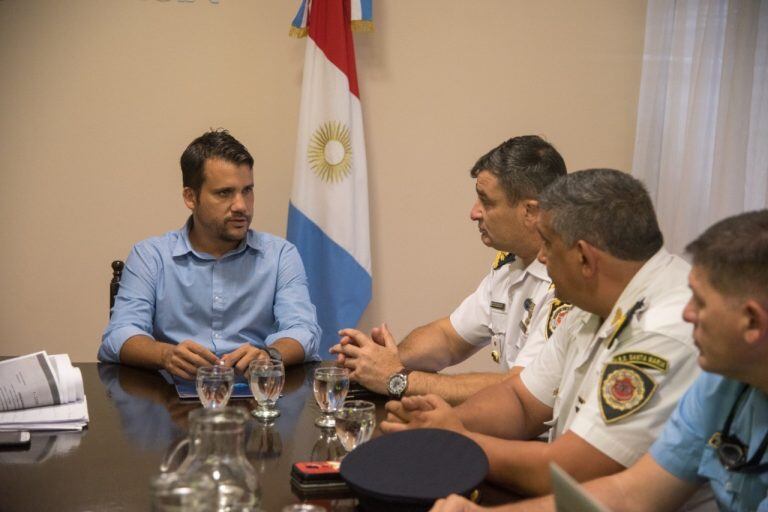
point(329, 28)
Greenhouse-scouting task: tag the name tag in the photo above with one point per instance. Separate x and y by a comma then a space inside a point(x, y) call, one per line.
point(498, 306)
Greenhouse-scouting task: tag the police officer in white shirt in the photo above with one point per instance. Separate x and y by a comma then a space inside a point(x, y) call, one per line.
point(613, 371)
point(511, 307)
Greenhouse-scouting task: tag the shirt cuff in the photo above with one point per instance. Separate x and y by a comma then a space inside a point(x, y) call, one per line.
point(306, 339)
point(538, 389)
point(111, 344)
point(614, 448)
point(676, 459)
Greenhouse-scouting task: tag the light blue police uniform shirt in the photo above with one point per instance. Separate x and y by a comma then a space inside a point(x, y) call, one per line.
point(682, 448)
point(256, 293)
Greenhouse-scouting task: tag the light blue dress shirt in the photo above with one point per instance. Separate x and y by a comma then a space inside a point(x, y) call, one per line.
point(256, 293)
point(682, 448)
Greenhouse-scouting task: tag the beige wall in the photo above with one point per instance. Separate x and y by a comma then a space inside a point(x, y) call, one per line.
point(99, 98)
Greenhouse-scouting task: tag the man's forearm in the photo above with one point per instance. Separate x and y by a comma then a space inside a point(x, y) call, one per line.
point(522, 466)
point(453, 388)
point(497, 411)
point(433, 347)
point(143, 351)
point(290, 349)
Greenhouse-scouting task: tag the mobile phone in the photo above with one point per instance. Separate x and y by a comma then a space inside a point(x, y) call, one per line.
point(317, 479)
point(14, 438)
point(316, 472)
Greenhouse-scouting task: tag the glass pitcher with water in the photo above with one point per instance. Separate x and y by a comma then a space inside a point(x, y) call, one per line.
point(215, 475)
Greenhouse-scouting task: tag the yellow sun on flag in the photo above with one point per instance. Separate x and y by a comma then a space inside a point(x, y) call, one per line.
point(330, 152)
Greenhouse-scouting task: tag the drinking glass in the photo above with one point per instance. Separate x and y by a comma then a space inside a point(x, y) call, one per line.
point(214, 385)
point(330, 385)
point(355, 421)
point(266, 378)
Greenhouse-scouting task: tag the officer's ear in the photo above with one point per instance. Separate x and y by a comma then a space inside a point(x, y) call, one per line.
point(755, 322)
point(588, 258)
point(531, 212)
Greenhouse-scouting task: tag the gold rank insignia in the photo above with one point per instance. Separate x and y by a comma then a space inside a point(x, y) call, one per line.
point(623, 390)
point(502, 258)
point(495, 356)
point(621, 321)
point(558, 309)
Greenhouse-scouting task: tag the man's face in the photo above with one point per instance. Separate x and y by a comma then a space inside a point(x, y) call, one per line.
point(717, 325)
point(223, 209)
point(563, 263)
point(501, 225)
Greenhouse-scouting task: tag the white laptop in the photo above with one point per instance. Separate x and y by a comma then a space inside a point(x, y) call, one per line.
point(569, 495)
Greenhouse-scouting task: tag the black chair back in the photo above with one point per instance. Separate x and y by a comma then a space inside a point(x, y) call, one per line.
point(114, 285)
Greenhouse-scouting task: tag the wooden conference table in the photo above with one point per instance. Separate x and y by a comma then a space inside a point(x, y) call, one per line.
point(135, 419)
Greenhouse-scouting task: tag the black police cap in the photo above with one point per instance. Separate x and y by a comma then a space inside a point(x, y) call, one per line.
point(408, 471)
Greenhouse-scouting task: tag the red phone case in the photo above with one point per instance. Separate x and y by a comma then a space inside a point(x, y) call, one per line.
point(316, 471)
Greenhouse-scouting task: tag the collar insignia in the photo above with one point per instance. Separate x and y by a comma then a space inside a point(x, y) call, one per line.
point(621, 321)
point(502, 258)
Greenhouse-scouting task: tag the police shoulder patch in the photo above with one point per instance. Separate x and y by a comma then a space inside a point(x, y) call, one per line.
point(558, 309)
point(624, 390)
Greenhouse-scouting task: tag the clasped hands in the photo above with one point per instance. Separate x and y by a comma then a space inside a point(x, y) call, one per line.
point(372, 359)
point(185, 358)
point(424, 411)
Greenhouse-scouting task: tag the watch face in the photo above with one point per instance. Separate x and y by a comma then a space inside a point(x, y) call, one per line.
point(397, 384)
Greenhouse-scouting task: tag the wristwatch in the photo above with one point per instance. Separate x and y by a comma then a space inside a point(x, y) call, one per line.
point(274, 354)
point(397, 383)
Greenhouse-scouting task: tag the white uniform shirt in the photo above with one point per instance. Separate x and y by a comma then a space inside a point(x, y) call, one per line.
point(496, 312)
point(621, 409)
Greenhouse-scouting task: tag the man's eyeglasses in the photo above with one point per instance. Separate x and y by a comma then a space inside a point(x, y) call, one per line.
point(731, 451)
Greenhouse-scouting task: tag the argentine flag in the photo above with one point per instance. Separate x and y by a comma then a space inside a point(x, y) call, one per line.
point(328, 211)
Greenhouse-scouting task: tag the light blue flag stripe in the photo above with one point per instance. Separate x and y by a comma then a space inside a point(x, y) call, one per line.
point(339, 286)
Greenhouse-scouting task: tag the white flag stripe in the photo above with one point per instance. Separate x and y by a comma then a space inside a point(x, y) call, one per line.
point(340, 211)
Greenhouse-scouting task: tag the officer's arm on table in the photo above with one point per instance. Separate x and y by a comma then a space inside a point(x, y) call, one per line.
point(503, 417)
point(645, 487)
point(455, 389)
point(434, 346)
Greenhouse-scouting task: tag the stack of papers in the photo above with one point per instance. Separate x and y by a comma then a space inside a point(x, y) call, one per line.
point(41, 392)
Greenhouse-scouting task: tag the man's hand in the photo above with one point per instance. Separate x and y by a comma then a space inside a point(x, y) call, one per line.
point(185, 358)
point(455, 503)
point(242, 356)
point(371, 360)
point(428, 411)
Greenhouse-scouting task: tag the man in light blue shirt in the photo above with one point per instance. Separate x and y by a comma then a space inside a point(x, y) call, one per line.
point(215, 291)
point(719, 432)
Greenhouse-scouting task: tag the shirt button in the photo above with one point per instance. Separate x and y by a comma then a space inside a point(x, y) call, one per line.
point(728, 486)
point(217, 335)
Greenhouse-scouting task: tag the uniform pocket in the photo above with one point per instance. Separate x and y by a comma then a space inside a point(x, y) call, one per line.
point(725, 484)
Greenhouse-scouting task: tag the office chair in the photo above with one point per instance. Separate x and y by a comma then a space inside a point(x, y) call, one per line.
point(114, 285)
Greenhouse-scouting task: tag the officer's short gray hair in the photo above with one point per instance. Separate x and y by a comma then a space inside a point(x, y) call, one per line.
point(734, 254)
point(607, 208)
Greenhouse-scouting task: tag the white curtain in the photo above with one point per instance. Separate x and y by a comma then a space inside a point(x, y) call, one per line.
point(702, 126)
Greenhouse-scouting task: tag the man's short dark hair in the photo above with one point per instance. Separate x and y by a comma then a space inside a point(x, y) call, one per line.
point(607, 208)
point(213, 144)
point(734, 254)
point(523, 165)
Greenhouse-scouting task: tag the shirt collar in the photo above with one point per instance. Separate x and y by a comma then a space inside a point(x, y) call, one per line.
point(539, 270)
point(183, 245)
